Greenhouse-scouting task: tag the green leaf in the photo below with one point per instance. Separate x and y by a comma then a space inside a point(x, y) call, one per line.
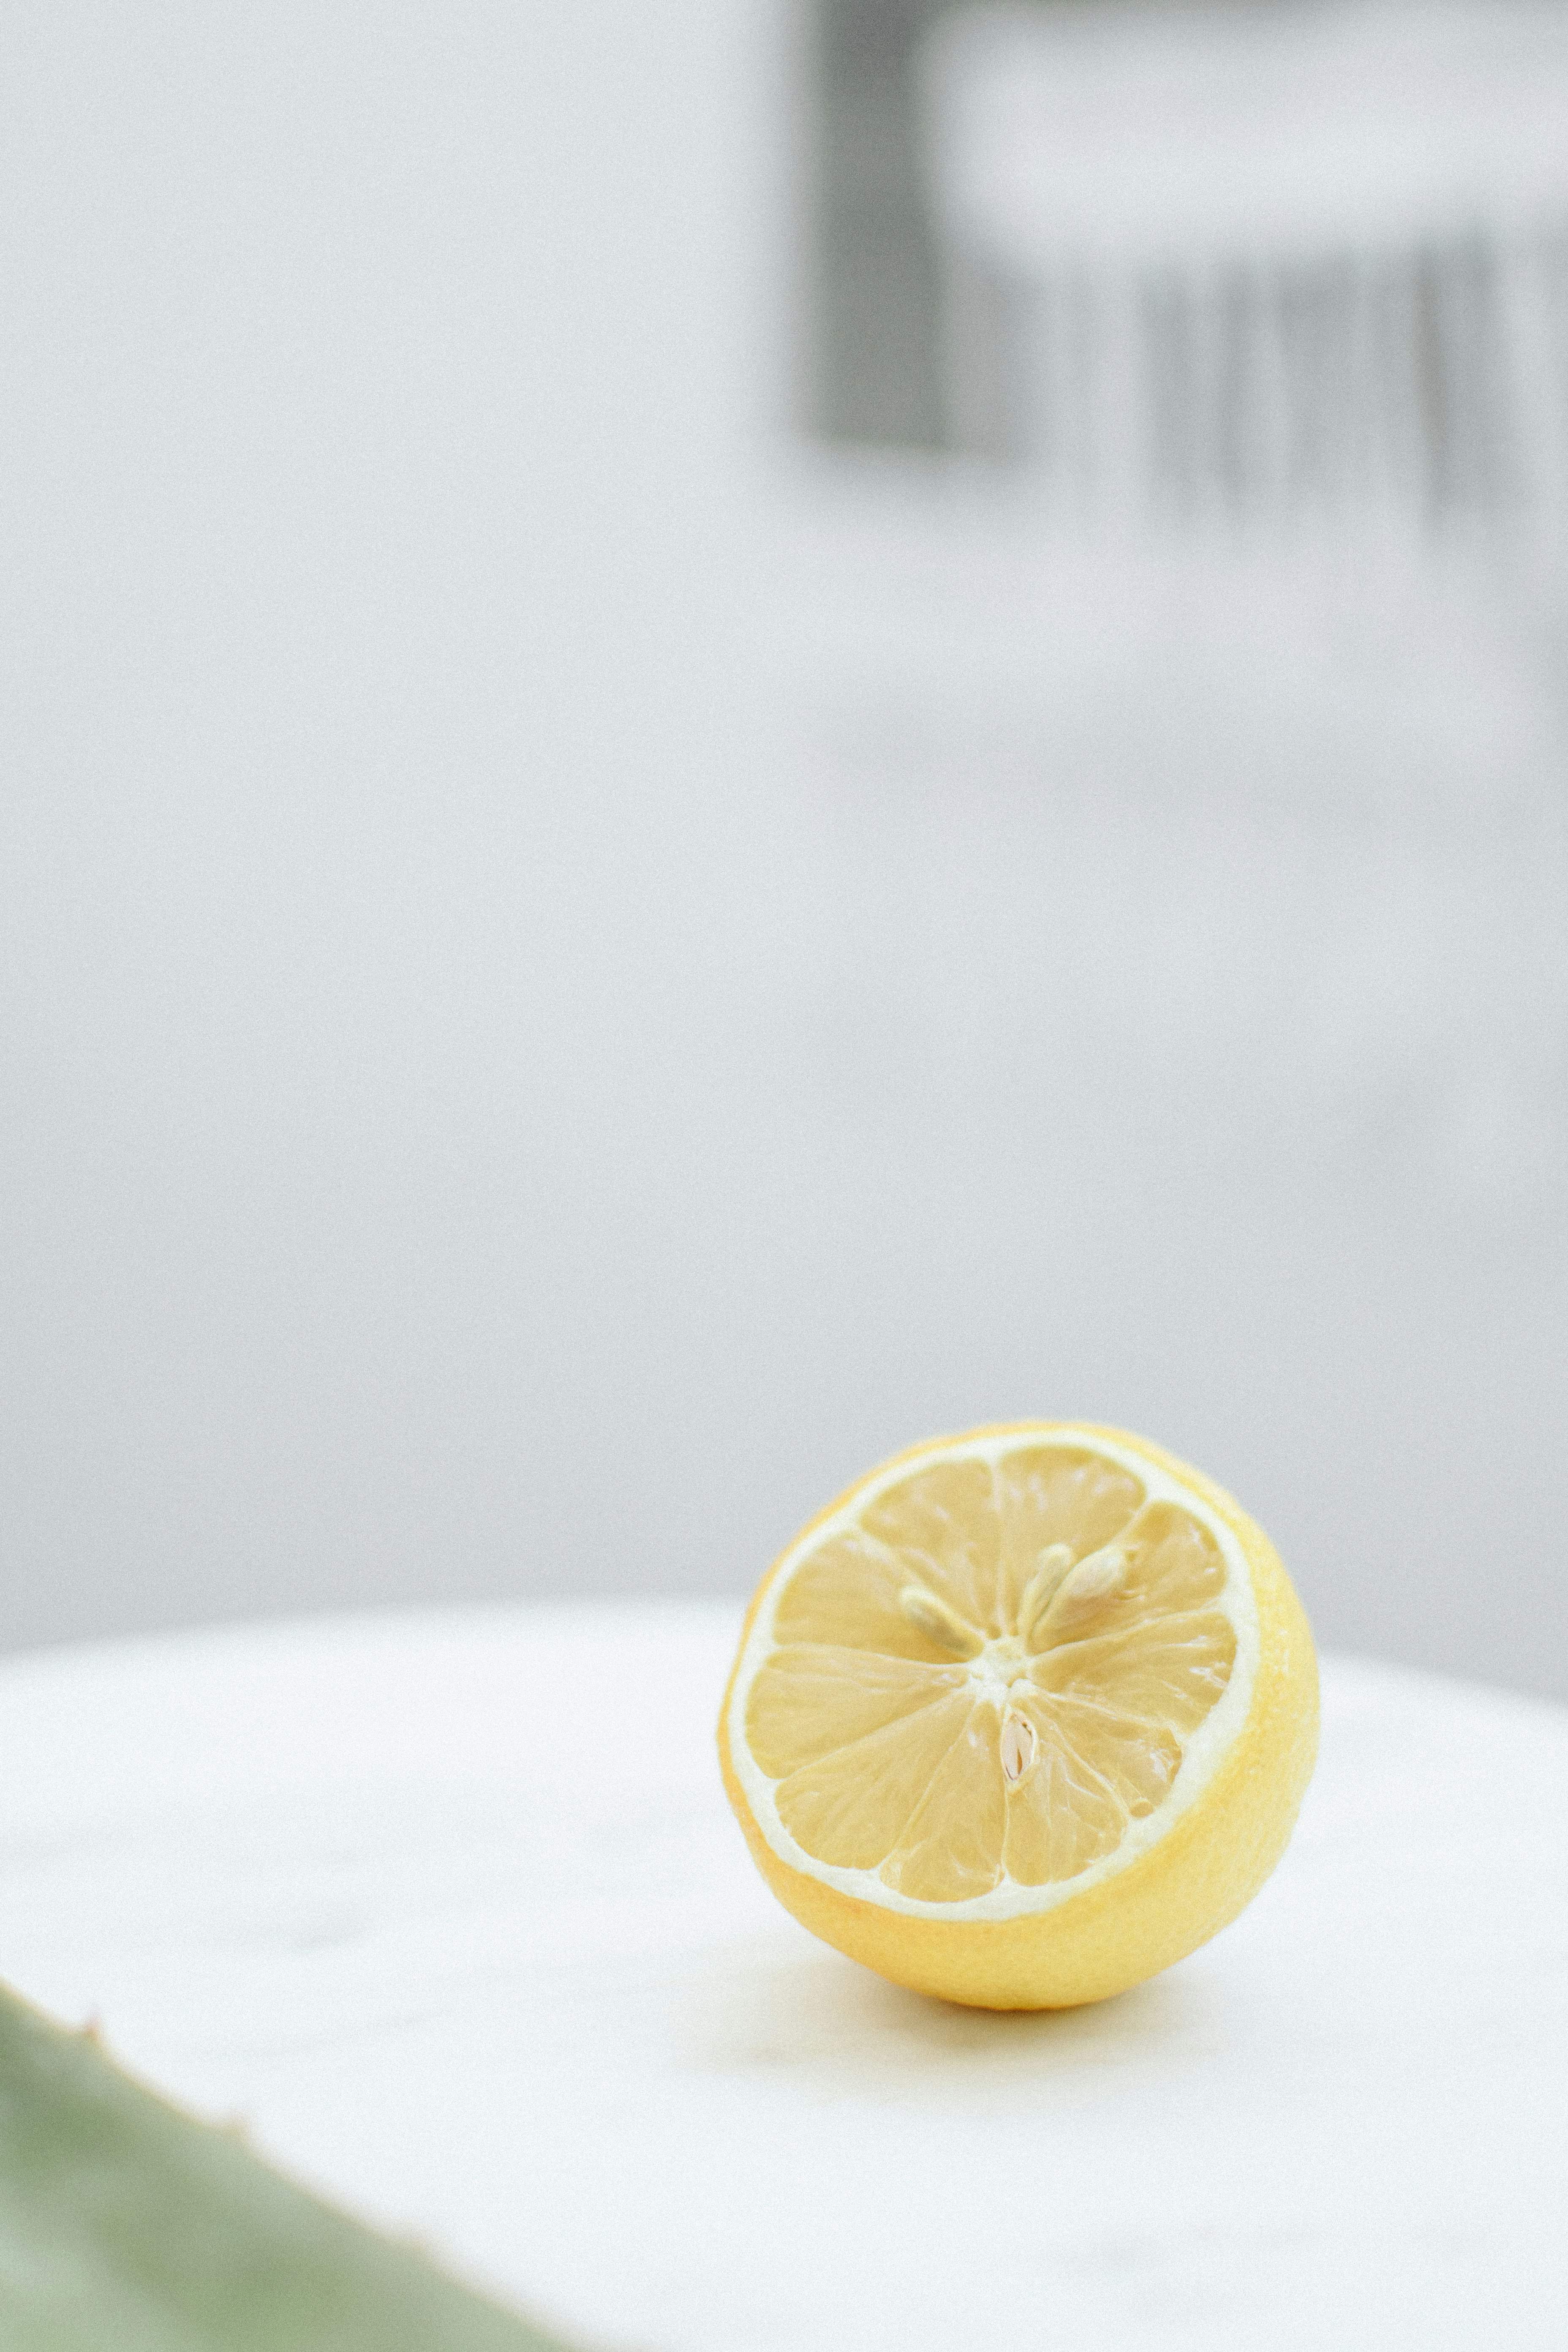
point(126, 2226)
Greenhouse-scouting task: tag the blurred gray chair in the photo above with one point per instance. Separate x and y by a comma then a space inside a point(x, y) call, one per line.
point(1258, 263)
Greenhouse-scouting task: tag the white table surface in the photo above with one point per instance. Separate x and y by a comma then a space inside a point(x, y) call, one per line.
point(451, 1908)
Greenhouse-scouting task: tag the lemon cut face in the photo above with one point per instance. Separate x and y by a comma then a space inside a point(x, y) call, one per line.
point(975, 1684)
point(996, 1676)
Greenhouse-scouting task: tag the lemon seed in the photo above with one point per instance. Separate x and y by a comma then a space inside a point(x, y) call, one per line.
point(1019, 1744)
point(1050, 1569)
point(938, 1622)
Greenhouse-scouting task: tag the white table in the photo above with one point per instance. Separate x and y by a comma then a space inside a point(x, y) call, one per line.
point(451, 1907)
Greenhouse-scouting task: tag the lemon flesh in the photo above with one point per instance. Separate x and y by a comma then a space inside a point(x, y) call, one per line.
point(1024, 1716)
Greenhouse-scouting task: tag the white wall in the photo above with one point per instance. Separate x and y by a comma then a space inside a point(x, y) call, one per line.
point(571, 980)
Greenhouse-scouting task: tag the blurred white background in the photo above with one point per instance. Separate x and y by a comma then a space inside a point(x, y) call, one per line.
point(580, 962)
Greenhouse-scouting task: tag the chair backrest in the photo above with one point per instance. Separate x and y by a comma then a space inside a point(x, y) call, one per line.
point(1202, 260)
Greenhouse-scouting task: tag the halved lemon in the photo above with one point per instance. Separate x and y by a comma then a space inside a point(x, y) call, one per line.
point(1024, 1716)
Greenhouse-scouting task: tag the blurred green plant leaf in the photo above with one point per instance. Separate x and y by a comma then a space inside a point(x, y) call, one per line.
point(126, 2226)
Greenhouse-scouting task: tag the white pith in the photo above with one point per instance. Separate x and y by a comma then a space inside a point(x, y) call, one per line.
point(989, 1672)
